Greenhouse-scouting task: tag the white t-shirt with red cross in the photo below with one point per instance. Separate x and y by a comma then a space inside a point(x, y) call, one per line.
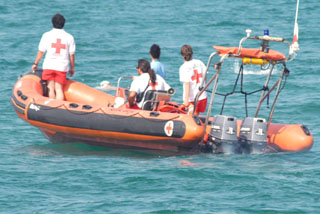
point(193, 71)
point(59, 45)
point(140, 84)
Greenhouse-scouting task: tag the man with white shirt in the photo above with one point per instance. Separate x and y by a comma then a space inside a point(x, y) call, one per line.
point(191, 73)
point(59, 60)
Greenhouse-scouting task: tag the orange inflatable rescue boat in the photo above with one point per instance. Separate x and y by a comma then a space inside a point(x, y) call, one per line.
point(91, 116)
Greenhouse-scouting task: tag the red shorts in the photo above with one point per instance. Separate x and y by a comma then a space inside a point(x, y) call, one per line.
point(57, 76)
point(201, 105)
point(135, 106)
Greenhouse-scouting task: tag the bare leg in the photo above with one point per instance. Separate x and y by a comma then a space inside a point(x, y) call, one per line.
point(59, 91)
point(52, 94)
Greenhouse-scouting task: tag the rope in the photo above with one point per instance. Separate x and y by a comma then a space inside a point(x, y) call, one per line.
point(47, 108)
point(75, 112)
point(160, 121)
point(241, 91)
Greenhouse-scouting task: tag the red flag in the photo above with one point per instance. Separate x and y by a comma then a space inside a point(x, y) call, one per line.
point(295, 45)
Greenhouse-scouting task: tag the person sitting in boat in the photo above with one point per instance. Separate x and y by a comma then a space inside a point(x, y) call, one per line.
point(147, 80)
point(191, 73)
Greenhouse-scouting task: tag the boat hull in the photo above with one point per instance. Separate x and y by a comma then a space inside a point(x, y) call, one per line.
point(87, 116)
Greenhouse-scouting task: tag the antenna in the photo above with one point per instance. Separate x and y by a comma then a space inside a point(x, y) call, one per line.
point(294, 47)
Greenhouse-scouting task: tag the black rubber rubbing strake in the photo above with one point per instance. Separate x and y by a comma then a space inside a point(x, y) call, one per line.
point(104, 122)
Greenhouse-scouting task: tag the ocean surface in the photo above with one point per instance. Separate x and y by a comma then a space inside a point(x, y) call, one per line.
point(37, 176)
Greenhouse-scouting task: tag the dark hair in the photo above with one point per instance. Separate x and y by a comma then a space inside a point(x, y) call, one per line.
point(144, 65)
point(155, 51)
point(58, 21)
point(186, 52)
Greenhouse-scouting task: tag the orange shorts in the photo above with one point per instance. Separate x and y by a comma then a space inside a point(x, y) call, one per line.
point(201, 105)
point(57, 76)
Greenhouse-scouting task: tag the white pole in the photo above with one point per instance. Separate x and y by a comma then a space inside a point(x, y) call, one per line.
point(297, 9)
point(294, 47)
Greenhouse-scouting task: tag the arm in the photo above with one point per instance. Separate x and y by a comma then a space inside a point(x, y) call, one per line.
point(187, 93)
point(36, 62)
point(72, 59)
point(131, 98)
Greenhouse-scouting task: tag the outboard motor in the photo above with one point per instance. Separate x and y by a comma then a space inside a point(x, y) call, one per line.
point(223, 135)
point(253, 135)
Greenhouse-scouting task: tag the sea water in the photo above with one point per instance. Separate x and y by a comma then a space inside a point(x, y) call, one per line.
point(37, 176)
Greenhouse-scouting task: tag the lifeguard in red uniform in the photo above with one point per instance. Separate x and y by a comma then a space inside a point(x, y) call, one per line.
point(60, 47)
point(191, 73)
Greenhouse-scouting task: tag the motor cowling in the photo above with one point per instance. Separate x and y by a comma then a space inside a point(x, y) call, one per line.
point(223, 134)
point(253, 135)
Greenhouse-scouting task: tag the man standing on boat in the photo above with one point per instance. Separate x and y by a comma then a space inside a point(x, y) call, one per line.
point(60, 47)
point(191, 73)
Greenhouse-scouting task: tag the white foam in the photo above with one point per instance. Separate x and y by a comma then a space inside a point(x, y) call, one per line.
point(253, 69)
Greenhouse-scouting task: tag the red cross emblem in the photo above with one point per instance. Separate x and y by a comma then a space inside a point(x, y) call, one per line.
point(196, 76)
point(168, 128)
point(58, 46)
point(153, 85)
